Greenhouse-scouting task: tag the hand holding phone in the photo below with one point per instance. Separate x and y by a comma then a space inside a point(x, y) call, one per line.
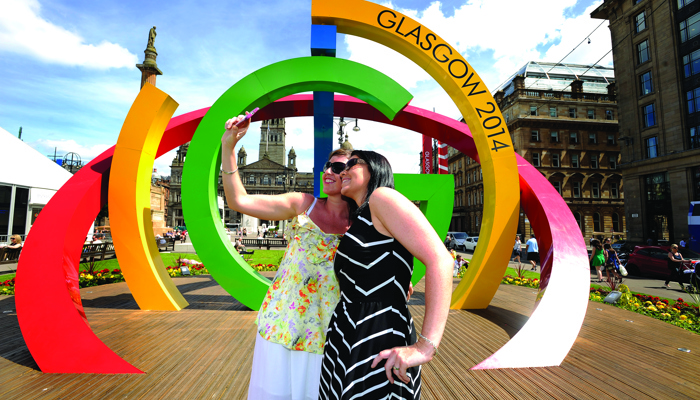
point(247, 117)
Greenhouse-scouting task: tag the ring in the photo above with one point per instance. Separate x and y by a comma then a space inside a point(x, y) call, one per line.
point(396, 368)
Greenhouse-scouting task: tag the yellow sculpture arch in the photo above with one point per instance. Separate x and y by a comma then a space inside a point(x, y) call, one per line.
point(501, 200)
point(130, 201)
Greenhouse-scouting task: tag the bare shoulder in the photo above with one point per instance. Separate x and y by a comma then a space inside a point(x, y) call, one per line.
point(384, 197)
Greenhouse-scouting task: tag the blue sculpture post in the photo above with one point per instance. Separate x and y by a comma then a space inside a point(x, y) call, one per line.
point(322, 45)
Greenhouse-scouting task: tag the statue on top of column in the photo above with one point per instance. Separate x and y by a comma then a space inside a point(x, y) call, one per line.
point(151, 37)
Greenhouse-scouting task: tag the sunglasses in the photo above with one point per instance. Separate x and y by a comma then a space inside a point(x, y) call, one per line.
point(352, 162)
point(336, 167)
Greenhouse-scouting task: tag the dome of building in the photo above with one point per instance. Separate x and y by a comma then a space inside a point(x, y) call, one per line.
point(346, 145)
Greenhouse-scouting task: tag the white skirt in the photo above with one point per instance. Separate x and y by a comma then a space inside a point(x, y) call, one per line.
point(282, 374)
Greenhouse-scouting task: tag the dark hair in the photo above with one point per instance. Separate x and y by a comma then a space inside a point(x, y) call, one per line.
point(607, 246)
point(596, 243)
point(340, 152)
point(380, 174)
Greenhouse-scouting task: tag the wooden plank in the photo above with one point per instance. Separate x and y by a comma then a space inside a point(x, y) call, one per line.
point(205, 351)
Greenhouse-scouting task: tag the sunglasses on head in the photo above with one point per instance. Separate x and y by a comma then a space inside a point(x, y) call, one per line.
point(336, 167)
point(354, 161)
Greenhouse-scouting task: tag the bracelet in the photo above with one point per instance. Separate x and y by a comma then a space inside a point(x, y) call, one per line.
point(229, 173)
point(430, 342)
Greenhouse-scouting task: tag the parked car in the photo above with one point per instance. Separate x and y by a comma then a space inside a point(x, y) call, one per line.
point(458, 239)
point(470, 243)
point(653, 260)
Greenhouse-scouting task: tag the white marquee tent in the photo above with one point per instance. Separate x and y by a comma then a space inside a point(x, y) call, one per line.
point(28, 180)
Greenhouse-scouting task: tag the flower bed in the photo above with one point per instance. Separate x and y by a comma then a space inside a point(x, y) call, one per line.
point(679, 313)
point(521, 281)
point(105, 276)
point(8, 287)
point(265, 267)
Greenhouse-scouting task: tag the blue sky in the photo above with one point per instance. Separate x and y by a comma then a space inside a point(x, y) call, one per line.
point(67, 73)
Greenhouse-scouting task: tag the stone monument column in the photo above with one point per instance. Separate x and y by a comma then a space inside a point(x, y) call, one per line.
point(149, 68)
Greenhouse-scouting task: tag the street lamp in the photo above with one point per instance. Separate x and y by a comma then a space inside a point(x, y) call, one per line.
point(341, 125)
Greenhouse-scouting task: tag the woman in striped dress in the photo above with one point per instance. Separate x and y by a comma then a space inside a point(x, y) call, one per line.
point(372, 349)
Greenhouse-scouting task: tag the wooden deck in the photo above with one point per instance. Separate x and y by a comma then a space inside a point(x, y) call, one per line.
point(205, 352)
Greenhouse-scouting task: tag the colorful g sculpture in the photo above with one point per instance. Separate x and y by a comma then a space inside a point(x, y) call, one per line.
point(52, 303)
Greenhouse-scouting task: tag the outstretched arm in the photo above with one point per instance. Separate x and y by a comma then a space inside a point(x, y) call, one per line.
point(396, 216)
point(274, 208)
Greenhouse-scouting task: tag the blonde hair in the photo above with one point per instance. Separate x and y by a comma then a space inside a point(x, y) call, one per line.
point(18, 239)
point(674, 246)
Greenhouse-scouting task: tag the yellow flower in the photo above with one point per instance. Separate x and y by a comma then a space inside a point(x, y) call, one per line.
point(652, 308)
point(683, 317)
point(665, 315)
point(660, 305)
point(89, 277)
point(648, 303)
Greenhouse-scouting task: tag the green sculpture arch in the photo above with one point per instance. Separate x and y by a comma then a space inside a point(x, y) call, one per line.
point(201, 171)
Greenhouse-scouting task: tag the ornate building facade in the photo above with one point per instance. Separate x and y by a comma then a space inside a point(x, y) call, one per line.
point(267, 175)
point(563, 120)
point(657, 65)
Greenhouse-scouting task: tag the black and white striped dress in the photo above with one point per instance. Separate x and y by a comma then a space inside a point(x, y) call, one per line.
point(374, 272)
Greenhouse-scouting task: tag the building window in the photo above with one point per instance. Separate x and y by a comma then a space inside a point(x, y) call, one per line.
point(646, 84)
point(681, 3)
point(696, 184)
point(693, 98)
point(555, 160)
point(691, 63)
point(596, 222)
point(266, 180)
point(482, 197)
point(552, 111)
point(533, 110)
point(535, 136)
point(649, 113)
point(557, 186)
point(643, 52)
point(651, 147)
point(614, 190)
point(591, 114)
point(640, 22)
point(577, 217)
point(572, 112)
point(576, 188)
point(613, 162)
point(592, 138)
point(251, 180)
point(690, 27)
point(574, 161)
point(616, 222)
point(536, 159)
point(554, 137)
point(594, 161)
point(695, 137)
point(573, 138)
point(611, 138)
point(595, 190)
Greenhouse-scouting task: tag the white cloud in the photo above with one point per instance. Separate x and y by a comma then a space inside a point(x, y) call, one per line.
point(496, 37)
point(24, 31)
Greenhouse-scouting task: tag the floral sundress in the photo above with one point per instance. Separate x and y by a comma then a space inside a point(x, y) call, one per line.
point(304, 292)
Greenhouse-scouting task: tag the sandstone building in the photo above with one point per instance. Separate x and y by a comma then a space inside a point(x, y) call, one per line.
point(656, 48)
point(563, 120)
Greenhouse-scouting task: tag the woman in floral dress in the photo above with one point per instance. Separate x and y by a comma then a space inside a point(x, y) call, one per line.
point(298, 306)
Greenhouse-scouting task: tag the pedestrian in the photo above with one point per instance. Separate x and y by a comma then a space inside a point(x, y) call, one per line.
point(682, 243)
point(675, 263)
point(459, 261)
point(598, 258)
point(650, 242)
point(612, 262)
point(447, 242)
point(592, 239)
point(517, 248)
point(533, 252)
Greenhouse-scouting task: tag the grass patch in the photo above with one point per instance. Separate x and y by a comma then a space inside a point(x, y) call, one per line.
point(6, 277)
point(526, 273)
